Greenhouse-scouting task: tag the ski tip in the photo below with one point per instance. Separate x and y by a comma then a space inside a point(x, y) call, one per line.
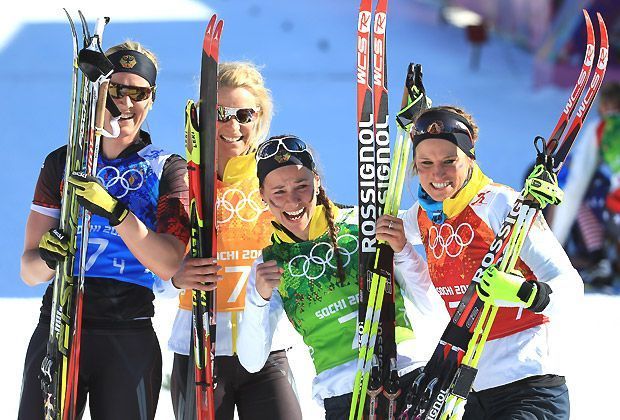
point(218, 29)
point(206, 45)
point(586, 15)
point(602, 26)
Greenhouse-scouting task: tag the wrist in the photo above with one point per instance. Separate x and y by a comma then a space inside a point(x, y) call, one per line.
point(175, 286)
point(541, 299)
point(527, 293)
point(119, 214)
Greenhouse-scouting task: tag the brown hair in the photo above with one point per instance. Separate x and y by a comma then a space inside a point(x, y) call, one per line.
point(322, 199)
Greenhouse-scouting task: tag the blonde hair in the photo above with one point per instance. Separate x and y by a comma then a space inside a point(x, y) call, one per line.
point(134, 46)
point(243, 74)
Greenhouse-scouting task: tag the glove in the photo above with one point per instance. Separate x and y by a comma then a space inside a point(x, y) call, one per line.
point(53, 247)
point(414, 100)
point(94, 198)
point(508, 290)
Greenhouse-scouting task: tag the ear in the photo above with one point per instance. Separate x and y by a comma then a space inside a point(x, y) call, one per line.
point(317, 184)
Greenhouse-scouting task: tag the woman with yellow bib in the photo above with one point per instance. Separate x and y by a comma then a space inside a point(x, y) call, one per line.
point(243, 229)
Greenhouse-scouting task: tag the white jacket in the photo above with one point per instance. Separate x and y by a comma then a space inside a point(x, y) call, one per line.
point(537, 350)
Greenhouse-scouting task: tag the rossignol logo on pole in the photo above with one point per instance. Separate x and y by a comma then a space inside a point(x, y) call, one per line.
point(498, 243)
point(367, 176)
point(436, 408)
point(382, 141)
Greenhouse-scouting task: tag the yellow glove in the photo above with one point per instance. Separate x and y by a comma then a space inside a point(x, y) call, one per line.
point(94, 198)
point(503, 289)
point(53, 247)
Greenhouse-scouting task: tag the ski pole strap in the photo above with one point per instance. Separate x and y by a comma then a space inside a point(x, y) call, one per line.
point(542, 185)
point(417, 100)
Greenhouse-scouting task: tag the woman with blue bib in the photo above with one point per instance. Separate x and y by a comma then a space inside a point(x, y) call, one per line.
point(138, 235)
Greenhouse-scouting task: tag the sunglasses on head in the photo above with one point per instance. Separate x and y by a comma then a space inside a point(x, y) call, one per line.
point(242, 115)
point(136, 93)
point(442, 121)
point(289, 143)
point(447, 125)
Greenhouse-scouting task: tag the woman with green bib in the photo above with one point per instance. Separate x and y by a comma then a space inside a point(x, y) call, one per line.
point(310, 272)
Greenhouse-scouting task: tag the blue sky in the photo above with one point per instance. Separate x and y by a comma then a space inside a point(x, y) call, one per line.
point(308, 53)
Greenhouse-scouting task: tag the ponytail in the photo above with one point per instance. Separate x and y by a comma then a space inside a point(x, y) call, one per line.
point(322, 199)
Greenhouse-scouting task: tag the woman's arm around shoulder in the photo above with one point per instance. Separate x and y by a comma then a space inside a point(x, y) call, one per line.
point(162, 251)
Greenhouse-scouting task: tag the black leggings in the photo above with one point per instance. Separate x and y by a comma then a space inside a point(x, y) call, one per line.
point(519, 401)
point(120, 370)
point(267, 394)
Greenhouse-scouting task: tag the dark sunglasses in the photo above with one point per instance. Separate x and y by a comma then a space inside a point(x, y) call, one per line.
point(442, 121)
point(271, 147)
point(136, 93)
point(242, 115)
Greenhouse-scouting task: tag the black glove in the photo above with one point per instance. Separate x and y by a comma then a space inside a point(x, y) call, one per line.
point(53, 247)
point(94, 198)
point(415, 100)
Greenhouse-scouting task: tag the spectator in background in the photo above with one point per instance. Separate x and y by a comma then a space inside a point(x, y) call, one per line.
point(590, 213)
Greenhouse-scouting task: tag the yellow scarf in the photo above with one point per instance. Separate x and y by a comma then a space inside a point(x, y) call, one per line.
point(455, 205)
point(318, 224)
point(240, 168)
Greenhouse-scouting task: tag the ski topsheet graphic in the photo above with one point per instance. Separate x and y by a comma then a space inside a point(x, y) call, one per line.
point(201, 165)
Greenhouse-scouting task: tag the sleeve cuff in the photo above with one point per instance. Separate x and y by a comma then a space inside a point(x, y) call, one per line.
point(256, 299)
point(405, 253)
point(542, 299)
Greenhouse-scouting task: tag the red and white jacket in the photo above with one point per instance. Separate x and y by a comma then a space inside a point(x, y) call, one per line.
point(518, 345)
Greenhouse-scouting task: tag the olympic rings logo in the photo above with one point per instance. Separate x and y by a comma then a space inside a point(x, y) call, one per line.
point(323, 263)
point(130, 180)
point(247, 208)
point(447, 239)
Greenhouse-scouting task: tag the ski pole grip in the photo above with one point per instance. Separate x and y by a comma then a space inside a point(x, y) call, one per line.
point(100, 25)
point(101, 106)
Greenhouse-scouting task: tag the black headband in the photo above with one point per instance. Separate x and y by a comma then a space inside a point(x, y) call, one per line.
point(447, 125)
point(283, 158)
point(130, 61)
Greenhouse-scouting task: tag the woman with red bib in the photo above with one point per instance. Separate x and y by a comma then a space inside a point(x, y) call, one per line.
point(458, 213)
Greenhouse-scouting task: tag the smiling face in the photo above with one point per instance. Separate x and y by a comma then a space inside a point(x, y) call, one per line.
point(234, 138)
point(442, 168)
point(290, 192)
point(133, 113)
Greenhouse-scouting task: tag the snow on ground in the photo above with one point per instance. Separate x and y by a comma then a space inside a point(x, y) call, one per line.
point(309, 65)
point(591, 365)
